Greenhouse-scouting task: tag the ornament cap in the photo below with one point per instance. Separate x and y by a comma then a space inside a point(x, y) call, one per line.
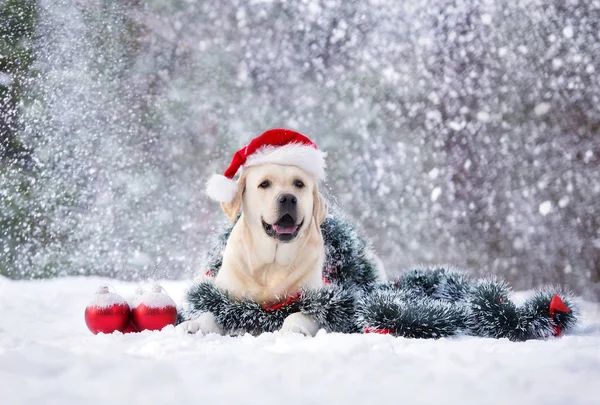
point(103, 289)
point(155, 298)
point(104, 297)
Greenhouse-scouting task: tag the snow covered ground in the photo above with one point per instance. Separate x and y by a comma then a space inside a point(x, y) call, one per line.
point(47, 356)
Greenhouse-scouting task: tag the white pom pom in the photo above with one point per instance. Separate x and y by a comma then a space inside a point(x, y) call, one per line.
point(221, 189)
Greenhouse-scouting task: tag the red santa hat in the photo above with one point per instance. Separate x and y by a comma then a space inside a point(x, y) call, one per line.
point(280, 146)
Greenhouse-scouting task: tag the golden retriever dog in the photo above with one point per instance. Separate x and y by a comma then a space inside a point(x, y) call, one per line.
point(275, 248)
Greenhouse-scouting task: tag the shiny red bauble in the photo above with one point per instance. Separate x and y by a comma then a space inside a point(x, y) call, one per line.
point(107, 312)
point(153, 310)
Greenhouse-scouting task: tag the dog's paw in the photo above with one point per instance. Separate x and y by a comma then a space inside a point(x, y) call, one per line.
point(300, 323)
point(188, 327)
point(204, 324)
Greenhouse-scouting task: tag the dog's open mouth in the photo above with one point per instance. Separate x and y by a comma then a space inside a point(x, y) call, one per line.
point(285, 229)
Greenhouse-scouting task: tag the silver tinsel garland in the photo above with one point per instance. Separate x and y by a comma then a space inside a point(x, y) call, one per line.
point(422, 303)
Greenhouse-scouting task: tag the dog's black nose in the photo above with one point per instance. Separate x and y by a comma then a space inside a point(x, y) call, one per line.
point(287, 199)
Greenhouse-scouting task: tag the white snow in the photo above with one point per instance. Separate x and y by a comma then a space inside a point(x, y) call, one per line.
point(568, 32)
point(47, 356)
point(434, 115)
point(483, 116)
point(434, 173)
point(545, 208)
point(564, 201)
point(456, 126)
point(541, 109)
point(5, 78)
point(436, 193)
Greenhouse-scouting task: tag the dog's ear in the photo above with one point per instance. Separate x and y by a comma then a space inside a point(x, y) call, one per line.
point(232, 209)
point(319, 207)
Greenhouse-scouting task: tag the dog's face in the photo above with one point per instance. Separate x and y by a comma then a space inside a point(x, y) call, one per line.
point(279, 201)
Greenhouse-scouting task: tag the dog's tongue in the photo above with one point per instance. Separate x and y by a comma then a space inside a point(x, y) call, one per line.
point(285, 229)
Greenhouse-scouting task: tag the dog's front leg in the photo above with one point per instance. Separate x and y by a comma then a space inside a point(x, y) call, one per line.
point(300, 323)
point(204, 324)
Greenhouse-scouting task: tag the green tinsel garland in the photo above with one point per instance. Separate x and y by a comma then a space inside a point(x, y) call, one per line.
point(431, 303)
point(422, 303)
point(332, 307)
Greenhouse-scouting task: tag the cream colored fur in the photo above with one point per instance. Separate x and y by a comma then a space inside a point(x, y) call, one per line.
point(258, 266)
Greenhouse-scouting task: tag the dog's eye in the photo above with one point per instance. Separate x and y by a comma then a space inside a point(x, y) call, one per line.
point(264, 184)
point(299, 184)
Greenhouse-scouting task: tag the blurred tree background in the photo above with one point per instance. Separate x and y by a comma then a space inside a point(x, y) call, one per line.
point(17, 26)
point(459, 131)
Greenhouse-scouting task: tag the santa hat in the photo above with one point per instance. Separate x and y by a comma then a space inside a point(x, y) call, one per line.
point(280, 146)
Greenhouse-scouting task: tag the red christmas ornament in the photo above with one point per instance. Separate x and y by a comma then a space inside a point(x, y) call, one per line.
point(131, 328)
point(107, 312)
point(153, 310)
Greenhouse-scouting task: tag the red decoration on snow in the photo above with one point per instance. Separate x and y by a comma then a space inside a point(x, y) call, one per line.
point(557, 329)
point(383, 331)
point(107, 312)
point(557, 305)
point(280, 305)
point(153, 310)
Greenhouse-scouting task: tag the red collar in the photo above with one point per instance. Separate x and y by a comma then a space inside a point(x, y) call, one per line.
point(273, 307)
point(282, 304)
